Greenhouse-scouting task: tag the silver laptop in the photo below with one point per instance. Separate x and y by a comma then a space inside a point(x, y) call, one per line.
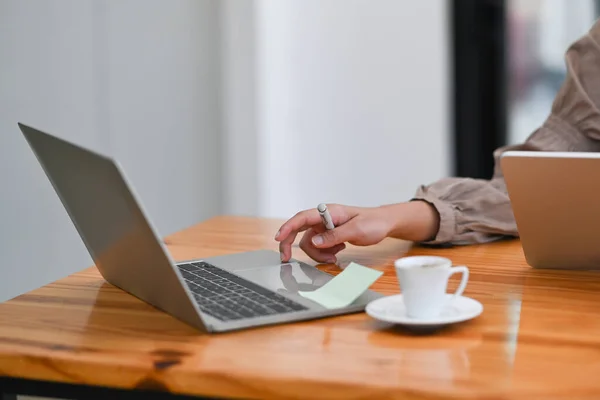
point(555, 197)
point(216, 294)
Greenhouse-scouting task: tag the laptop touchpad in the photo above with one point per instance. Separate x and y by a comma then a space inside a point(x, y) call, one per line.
point(287, 278)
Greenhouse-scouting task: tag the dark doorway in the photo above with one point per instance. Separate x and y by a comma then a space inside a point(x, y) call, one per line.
point(479, 84)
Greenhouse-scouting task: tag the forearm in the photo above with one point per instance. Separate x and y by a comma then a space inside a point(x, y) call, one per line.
point(454, 211)
point(417, 221)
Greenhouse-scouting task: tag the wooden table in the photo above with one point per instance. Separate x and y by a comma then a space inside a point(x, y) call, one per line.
point(538, 337)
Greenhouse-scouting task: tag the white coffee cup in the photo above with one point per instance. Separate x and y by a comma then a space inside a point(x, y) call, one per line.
point(423, 283)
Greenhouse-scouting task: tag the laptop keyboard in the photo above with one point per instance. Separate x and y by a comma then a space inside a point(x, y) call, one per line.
point(228, 297)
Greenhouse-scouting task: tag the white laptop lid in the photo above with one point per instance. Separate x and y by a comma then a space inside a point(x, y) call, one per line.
point(555, 197)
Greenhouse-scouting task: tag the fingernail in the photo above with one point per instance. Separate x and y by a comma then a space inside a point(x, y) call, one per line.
point(281, 257)
point(277, 234)
point(317, 240)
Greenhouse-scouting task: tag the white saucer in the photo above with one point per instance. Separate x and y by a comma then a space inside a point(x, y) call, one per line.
point(392, 309)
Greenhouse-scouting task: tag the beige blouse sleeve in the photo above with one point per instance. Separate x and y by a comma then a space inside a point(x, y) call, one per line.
point(477, 211)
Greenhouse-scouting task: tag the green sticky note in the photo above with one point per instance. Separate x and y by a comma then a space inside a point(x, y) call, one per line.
point(344, 288)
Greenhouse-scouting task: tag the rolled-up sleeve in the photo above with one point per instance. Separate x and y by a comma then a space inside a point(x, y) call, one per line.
point(478, 211)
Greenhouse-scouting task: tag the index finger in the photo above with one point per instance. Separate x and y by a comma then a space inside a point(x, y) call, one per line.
point(298, 223)
point(289, 230)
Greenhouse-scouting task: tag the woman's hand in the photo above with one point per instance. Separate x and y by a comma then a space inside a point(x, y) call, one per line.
point(361, 226)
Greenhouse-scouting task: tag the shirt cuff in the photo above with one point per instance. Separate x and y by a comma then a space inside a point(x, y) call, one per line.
point(447, 219)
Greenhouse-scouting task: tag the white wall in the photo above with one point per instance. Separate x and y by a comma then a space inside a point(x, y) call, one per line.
point(46, 80)
point(163, 84)
point(239, 112)
point(351, 102)
point(138, 79)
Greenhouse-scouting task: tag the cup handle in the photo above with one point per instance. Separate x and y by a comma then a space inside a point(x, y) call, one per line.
point(463, 283)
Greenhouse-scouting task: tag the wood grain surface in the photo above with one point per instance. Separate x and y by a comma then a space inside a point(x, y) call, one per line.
point(538, 337)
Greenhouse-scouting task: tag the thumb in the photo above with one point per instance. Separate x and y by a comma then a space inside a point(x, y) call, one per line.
point(330, 238)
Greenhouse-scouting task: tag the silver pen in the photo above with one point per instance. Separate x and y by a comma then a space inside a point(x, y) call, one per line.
point(325, 216)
